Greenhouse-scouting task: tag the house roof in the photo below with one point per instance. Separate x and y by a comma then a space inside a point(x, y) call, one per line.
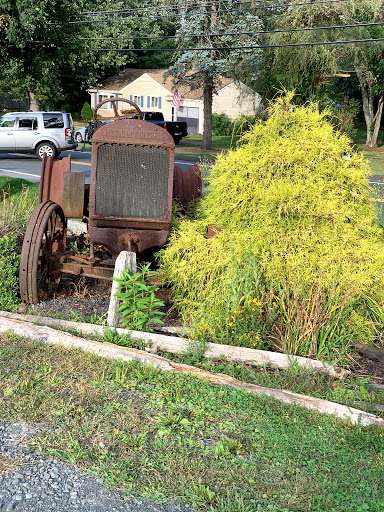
point(121, 80)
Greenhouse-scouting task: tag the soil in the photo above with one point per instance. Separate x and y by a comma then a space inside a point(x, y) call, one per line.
point(89, 298)
point(365, 367)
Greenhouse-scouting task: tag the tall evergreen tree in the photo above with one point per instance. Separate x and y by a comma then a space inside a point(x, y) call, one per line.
point(221, 56)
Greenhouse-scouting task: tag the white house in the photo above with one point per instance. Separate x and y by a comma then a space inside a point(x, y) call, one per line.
point(145, 87)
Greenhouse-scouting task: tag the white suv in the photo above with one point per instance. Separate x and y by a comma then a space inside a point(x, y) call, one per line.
point(36, 132)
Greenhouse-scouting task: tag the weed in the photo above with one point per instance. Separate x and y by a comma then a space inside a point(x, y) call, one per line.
point(16, 209)
point(139, 306)
point(9, 273)
point(128, 441)
point(312, 325)
point(123, 340)
point(202, 494)
point(227, 447)
point(95, 318)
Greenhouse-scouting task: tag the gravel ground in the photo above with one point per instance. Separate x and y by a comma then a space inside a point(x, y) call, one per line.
point(39, 484)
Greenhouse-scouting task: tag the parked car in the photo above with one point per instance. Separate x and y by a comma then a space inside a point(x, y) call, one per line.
point(178, 129)
point(36, 132)
point(85, 133)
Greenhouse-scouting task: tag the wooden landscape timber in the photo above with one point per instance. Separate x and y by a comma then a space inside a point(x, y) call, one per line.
point(107, 350)
point(176, 345)
point(375, 353)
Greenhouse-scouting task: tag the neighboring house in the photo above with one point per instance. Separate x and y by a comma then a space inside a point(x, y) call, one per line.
point(145, 87)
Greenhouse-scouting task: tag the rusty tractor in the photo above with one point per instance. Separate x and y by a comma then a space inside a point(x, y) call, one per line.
point(127, 205)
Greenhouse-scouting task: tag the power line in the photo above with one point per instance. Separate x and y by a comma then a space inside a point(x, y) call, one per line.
point(251, 47)
point(152, 16)
point(170, 7)
point(260, 32)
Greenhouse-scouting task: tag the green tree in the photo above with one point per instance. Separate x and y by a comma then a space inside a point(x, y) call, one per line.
point(31, 37)
point(47, 48)
point(307, 68)
point(204, 69)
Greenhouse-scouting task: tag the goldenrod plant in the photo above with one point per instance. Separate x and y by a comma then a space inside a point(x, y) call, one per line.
point(292, 202)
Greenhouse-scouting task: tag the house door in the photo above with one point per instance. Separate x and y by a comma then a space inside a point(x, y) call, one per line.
point(191, 116)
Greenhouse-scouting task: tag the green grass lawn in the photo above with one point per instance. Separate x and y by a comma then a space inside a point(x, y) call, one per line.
point(218, 141)
point(17, 186)
point(375, 157)
point(164, 436)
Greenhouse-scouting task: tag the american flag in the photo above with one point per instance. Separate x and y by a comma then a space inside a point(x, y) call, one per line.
point(176, 99)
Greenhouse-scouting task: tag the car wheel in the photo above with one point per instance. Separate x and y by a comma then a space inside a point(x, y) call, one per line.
point(78, 137)
point(176, 139)
point(46, 147)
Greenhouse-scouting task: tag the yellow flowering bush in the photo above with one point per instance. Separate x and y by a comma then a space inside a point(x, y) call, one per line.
point(294, 212)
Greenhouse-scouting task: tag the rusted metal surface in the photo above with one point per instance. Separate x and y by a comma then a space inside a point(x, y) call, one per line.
point(79, 269)
point(60, 185)
point(128, 202)
point(43, 245)
point(135, 162)
point(187, 185)
point(138, 240)
point(213, 231)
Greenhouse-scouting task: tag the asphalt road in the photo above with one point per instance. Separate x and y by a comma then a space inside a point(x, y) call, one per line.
point(28, 167)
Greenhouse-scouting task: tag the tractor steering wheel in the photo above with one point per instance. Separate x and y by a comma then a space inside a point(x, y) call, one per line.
point(116, 115)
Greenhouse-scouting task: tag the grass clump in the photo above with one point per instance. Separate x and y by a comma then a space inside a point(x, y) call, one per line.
point(299, 238)
point(18, 199)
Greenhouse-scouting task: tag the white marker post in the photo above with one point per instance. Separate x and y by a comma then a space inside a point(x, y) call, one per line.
point(125, 260)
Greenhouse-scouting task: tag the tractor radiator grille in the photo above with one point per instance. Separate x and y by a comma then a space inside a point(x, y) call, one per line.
point(132, 181)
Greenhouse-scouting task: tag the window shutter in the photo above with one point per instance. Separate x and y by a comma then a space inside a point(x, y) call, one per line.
point(159, 102)
point(148, 102)
point(142, 101)
point(95, 98)
point(130, 97)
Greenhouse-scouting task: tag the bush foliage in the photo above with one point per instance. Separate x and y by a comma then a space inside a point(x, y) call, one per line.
point(293, 204)
point(87, 112)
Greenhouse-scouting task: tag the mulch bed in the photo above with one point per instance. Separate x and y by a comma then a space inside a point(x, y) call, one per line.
point(88, 297)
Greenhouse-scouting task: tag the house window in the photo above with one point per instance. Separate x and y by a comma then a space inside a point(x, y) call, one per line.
point(154, 102)
point(137, 100)
point(106, 106)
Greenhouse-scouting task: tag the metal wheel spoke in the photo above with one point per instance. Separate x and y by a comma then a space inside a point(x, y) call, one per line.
point(43, 245)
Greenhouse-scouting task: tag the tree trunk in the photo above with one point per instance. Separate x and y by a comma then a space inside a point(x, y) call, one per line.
point(372, 118)
point(208, 98)
point(34, 102)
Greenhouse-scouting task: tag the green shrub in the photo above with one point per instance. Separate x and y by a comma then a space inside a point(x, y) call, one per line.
point(221, 124)
point(9, 273)
point(288, 200)
point(87, 112)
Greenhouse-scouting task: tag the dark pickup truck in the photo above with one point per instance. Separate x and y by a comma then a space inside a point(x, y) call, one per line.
point(178, 129)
